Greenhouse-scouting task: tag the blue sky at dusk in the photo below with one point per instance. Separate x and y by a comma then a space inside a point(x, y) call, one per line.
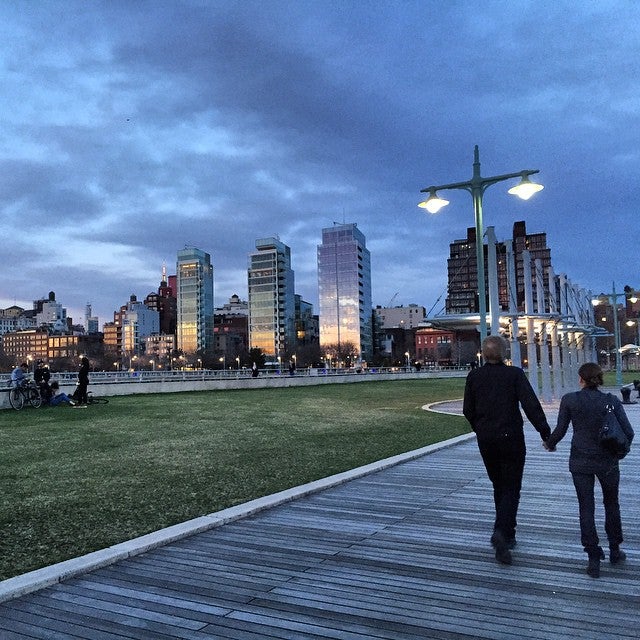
point(131, 129)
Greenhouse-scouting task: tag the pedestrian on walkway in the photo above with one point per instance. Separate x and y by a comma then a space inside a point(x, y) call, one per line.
point(493, 395)
point(588, 460)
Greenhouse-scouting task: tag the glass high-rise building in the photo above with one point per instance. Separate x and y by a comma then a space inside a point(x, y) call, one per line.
point(344, 288)
point(194, 283)
point(271, 299)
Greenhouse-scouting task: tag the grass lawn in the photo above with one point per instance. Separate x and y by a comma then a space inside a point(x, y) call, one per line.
point(77, 480)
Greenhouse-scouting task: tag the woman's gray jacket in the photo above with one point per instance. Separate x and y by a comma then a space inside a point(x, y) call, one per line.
point(585, 410)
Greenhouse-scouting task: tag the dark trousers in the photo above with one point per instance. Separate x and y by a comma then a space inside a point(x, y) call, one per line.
point(45, 391)
point(584, 483)
point(81, 393)
point(504, 462)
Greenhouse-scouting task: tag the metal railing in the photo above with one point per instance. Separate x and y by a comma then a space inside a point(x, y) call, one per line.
point(178, 375)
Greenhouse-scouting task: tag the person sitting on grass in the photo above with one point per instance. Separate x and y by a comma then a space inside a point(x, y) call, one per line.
point(59, 397)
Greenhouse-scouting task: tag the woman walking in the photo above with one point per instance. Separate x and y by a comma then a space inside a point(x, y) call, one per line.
point(588, 460)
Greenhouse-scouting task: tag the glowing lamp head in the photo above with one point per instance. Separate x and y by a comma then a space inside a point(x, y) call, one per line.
point(525, 188)
point(433, 203)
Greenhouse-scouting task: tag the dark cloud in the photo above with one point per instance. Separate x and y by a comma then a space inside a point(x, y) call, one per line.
point(136, 128)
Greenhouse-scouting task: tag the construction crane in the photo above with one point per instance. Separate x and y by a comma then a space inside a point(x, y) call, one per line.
point(393, 297)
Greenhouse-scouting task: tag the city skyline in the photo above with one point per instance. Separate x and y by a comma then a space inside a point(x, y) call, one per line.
point(133, 130)
point(219, 300)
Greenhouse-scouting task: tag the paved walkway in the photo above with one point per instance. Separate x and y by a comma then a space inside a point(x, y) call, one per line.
point(399, 553)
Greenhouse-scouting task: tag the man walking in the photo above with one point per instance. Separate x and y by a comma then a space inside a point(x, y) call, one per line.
point(492, 398)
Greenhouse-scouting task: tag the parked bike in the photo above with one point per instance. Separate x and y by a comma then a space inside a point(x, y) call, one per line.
point(25, 394)
point(91, 399)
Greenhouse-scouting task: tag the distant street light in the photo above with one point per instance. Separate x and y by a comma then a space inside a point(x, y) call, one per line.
point(612, 299)
point(630, 323)
point(476, 187)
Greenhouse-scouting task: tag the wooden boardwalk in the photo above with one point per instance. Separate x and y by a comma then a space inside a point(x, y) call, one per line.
point(400, 554)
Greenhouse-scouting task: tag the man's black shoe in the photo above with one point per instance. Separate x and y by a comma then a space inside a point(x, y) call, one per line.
point(511, 542)
point(616, 555)
point(503, 555)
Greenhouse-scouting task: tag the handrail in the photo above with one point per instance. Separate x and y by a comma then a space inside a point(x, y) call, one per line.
point(177, 375)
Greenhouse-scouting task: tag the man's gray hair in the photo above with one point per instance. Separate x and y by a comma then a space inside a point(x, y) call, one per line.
point(494, 349)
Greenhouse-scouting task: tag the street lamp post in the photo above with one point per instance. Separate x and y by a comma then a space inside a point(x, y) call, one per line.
point(476, 187)
point(630, 323)
point(612, 298)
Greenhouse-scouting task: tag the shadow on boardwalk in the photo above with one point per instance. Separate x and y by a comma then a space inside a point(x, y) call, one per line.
point(401, 553)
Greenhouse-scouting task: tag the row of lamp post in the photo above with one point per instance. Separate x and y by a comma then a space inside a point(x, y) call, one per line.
point(612, 299)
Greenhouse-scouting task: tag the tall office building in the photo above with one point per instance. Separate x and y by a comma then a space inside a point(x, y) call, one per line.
point(137, 321)
point(194, 284)
point(90, 321)
point(344, 288)
point(463, 271)
point(131, 323)
point(271, 299)
point(165, 303)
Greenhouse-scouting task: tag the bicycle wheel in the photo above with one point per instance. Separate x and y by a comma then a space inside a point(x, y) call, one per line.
point(93, 400)
point(34, 397)
point(16, 399)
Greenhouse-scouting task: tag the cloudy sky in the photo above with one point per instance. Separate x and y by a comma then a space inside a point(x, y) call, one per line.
point(131, 129)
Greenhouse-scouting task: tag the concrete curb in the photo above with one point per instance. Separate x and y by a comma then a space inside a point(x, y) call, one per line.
point(47, 576)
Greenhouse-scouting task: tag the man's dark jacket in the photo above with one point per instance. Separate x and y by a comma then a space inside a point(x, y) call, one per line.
point(492, 397)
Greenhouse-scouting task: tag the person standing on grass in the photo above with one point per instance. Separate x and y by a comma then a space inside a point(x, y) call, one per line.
point(83, 382)
point(588, 460)
point(493, 395)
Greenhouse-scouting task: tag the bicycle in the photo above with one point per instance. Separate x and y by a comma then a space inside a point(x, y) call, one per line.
point(27, 393)
point(91, 399)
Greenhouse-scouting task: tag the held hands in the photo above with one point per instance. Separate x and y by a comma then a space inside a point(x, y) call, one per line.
point(547, 447)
